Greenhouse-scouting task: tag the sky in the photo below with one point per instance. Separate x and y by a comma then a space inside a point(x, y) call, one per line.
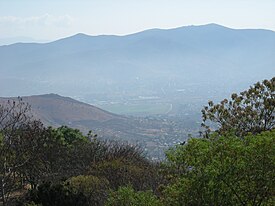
point(54, 19)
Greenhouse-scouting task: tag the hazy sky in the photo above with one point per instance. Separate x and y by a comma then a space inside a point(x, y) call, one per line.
point(52, 19)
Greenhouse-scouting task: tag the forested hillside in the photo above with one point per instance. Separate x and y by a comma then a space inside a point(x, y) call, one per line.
point(231, 164)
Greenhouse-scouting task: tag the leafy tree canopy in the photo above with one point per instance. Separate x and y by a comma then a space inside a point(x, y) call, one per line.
point(223, 170)
point(250, 111)
point(127, 196)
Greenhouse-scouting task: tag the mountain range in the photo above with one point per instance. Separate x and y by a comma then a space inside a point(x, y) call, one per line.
point(207, 61)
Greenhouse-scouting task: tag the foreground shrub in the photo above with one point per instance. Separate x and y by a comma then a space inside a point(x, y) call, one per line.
point(80, 190)
point(126, 196)
point(49, 194)
point(223, 170)
point(93, 188)
point(126, 164)
point(121, 172)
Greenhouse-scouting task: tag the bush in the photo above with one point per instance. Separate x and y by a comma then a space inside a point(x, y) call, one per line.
point(95, 189)
point(49, 194)
point(126, 196)
point(223, 170)
point(122, 172)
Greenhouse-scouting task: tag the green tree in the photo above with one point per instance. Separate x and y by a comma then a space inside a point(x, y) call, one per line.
point(250, 111)
point(95, 189)
point(70, 136)
point(54, 194)
point(223, 170)
point(127, 196)
point(124, 164)
point(13, 116)
point(32, 154)
point(57, 153)
point(33, 136)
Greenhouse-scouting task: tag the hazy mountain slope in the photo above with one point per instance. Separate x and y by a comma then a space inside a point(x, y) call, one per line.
point(56, 110)
point(22, 39)
point(154, 133)
point(145, 62)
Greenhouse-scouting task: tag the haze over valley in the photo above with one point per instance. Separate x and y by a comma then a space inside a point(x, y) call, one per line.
point(154, 83)
point(154, 72)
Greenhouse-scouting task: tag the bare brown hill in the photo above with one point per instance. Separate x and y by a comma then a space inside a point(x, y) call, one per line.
point(153, 134)
point(56, 110)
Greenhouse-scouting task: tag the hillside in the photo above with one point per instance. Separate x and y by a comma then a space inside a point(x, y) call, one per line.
point(55, 110)
point(154, 134)
point(150, 63)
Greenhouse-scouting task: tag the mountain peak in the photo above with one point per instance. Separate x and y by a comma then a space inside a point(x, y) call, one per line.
point(214, 25)
point(81, 35)
point(50, 95)
point(210, 25)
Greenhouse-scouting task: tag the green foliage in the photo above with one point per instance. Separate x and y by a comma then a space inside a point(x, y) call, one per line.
point(13, 149)
point(223, 170)
point(233, 166)
point(48, 194)
point(126, 196)
point(32, 154)
point(251, 111)
point(80, 190)
point(125, 164)
point(95, 189)
point(121, 172)
point(69, 136)
point(32, 204)
point(49, 156)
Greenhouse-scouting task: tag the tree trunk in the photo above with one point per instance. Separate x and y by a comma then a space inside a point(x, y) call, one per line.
point(3, 191)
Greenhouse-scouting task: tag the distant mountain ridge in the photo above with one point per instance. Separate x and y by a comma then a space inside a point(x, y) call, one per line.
point(150, 63)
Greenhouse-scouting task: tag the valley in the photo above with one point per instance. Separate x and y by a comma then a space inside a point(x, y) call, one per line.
point(155, 133)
